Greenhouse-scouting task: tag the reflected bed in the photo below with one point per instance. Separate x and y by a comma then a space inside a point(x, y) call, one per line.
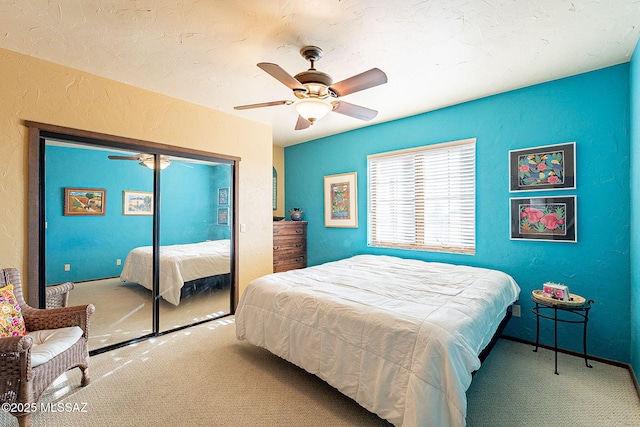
point(179, 264)
point(401, 337)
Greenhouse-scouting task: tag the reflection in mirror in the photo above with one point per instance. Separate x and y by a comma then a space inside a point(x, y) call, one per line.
point(195, 231)
point(90, 228)
point(109, 210)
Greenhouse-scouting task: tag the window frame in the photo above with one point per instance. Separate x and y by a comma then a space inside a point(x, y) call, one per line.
point(413, 201)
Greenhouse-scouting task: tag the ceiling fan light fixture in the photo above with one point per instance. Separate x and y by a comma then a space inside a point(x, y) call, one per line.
point(312, 109)
point(150, 162)
point(314, 88)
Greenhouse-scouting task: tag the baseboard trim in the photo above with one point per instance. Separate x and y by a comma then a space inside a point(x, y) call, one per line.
point(570, 352)
point(626, 366)
point(93, 280)
point(635, 379)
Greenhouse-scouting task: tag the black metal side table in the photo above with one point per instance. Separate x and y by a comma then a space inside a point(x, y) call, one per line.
point(577, 312)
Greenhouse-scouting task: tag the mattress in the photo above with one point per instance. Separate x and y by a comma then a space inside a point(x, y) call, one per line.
point(178, 264)
point(399, 336)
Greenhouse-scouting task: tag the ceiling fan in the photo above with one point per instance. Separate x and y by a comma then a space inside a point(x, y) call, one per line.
point(316, 93)
point(147, 160)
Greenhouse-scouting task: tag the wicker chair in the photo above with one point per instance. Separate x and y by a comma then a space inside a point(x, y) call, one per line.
point(21, 383)
point(58, 295)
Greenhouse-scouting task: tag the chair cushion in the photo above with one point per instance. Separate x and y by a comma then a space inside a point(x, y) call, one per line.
point(11, 321)
point(48, 343)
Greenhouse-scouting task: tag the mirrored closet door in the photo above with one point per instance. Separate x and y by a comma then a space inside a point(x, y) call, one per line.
point(145, 234)
point(195, 246)
point(91, 226)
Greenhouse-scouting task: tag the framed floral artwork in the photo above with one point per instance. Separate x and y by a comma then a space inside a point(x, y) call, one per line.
point(223, 216)
point(341, 200)
point(544, 218)
point(85, 201)
point(550, 167)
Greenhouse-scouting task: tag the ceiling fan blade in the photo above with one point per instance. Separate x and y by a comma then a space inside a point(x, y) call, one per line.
point(124, 157)
point(281, 75)
point(353, 110)
point(302, 123)
point(262, 104)
point(362, 81)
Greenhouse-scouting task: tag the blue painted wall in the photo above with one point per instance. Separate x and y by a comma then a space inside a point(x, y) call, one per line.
point(591, 109)
point(189, 211)
point(91, 244)
point(635, 211)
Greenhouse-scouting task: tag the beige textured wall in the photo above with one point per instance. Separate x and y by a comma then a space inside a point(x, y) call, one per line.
point(278, 163)
point(32, 89)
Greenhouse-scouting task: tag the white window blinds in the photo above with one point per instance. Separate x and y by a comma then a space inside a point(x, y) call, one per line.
point(423, 198)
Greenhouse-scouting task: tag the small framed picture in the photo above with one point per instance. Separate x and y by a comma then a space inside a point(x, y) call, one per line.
point(85, 201)
point(137, 203)
point(551, 167)
point(223, 216)
point(223, 196)
point(341, 200)
point(544, 218)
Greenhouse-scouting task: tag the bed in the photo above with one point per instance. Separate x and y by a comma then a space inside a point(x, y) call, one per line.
point(179, 264)
point(399, 336)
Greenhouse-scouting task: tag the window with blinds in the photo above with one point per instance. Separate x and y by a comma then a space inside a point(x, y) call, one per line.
point(423, 198)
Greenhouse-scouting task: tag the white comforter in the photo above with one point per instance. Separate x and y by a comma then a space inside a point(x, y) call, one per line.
point(399, 336)
point(178, 264)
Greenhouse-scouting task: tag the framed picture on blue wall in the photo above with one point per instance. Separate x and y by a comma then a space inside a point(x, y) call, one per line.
point(223, 216)
point(550, 167)
point(544, 218)
point(85, 201)
point(137, 202)
point(341, 200)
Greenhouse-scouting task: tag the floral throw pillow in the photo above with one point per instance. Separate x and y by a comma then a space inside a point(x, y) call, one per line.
point(11, 321)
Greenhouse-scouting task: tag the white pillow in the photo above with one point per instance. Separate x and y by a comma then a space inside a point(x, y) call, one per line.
point(49, 343)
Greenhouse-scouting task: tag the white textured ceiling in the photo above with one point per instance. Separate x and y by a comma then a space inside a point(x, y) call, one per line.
point(435, 53)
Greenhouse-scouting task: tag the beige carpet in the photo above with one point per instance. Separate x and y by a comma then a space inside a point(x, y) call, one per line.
point(203, 376)
point(124, 309)
point(516, 387)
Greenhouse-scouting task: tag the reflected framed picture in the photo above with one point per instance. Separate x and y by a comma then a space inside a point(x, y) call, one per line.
point(341, 200)
point(550, 167)
point(85, 201)
point(223, 216)
point(550, 219)
point(137, 202)
point(223, 196)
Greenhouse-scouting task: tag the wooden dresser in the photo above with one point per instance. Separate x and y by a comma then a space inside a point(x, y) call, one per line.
point(289, 245)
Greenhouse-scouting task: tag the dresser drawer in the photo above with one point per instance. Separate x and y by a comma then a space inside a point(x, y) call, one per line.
point(288, 253)
point(296, 228)
point(289, 264)
point(286, 242)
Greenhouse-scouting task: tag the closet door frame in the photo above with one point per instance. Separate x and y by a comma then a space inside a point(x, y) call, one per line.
point(37, 132)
